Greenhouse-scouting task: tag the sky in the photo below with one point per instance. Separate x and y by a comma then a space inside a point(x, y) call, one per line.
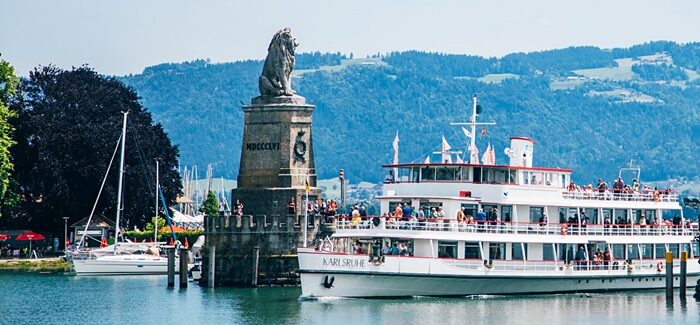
point(120, 37)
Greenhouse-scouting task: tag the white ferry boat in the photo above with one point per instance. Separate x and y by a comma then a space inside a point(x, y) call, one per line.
point(484, 229)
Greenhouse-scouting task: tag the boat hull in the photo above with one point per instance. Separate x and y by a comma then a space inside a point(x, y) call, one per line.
point(112, 266)
point(337, 284)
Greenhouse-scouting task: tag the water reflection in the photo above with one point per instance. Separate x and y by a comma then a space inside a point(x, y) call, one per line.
point(146, 300)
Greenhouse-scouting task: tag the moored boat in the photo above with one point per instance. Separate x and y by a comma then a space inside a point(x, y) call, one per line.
point(471, 228)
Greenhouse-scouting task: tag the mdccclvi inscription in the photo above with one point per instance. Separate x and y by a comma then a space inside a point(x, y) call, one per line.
point(257, 146)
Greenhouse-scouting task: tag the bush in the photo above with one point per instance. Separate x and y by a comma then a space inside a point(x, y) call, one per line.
point(145, 236)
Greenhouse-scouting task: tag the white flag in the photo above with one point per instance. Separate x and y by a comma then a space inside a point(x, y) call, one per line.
point(485, 157)
point(427, 160)
point(473, 155)
point(466, 132)
point(459, 160)
point(445, 150)
point(396, 154)
point(492, 155)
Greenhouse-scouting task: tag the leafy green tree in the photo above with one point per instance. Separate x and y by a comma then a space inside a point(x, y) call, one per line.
point(68, 123)
point(210, 206)
point(149, 225)
point(8, 85)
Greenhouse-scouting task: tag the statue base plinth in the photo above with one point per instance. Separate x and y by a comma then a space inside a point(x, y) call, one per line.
point(279, 100)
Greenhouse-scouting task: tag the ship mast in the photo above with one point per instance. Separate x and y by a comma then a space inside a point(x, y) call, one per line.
point(473, 123)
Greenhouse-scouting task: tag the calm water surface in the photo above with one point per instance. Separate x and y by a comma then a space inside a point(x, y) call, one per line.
point(58, 299)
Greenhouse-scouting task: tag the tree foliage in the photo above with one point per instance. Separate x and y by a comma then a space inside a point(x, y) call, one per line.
point(68, 124)
point(210, 206)
point(8, 85)
point(360, 108)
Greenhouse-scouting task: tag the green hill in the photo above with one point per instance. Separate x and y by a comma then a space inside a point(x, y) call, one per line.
point(588, 108)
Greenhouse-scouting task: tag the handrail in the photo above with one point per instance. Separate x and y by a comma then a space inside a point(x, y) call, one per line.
point(613, 195)
point(530, 228)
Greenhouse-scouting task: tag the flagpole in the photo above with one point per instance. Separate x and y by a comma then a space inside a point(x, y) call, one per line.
point(155, 221)
point(306, 210)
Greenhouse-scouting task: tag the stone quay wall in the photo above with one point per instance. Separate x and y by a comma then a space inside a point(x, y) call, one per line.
point(237, 240)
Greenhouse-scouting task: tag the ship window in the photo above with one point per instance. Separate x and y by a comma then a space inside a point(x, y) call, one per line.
point(674, 248)
point(497, 251)
point(469, 209)
point(447, 249)
point(428, 206)
point(517, 251)
point(471, 250)
point(647, 251)
point(445, 174)
point(415, 173)
point(427, 174)
point(466, 172)
point(567, 252)
point(393, 204)
point(526, 177)
point(513, 176)
point(593, 216)
point(696, 249)
point(563, 181)
point(632, 251)
point(650, 215)
point(506, 213)
point(636, 214)
point(548, 252)
point(477, 174)
point(499, 176)
point(660, 250)
point(621, 217)
point(536, 213)
point(618, 251)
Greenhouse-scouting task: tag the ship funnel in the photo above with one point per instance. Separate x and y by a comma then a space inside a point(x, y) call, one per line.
point(520, 151)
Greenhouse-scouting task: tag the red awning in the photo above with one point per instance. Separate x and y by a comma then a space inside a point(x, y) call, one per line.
point(4, 237)
point(30, 235)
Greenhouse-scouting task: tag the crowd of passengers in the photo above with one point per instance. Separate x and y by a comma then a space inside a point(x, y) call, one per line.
point(325, 208)
point(398, 249)
point(407, 216)
point(619, 188)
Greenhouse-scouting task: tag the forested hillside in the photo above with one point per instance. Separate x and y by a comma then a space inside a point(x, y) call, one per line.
point(588, 108)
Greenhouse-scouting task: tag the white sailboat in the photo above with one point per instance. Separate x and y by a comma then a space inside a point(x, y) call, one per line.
point(122, 258)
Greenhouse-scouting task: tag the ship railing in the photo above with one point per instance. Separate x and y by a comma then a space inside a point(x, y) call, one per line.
point(629, 266)
point(613, 195)
point(528, 228)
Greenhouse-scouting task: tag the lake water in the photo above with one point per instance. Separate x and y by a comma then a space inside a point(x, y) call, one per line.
point(60, 299)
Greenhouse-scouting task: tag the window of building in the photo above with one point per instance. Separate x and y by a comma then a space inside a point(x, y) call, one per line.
point(471, 250)
point(447, 249)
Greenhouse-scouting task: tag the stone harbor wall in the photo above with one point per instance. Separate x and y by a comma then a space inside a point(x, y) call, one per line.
point(274, 239)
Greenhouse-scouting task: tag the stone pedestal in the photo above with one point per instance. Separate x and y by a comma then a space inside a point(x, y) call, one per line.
point(277, 156)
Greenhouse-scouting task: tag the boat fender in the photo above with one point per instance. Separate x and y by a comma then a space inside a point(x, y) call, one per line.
point(615, 265)
point(564, 229)
point(660, 266)
point(488, 264)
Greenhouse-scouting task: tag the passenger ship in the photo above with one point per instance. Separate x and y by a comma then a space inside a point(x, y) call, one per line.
point(540, 244)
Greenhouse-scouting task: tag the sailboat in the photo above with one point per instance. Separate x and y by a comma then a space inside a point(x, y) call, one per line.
point(122, 258)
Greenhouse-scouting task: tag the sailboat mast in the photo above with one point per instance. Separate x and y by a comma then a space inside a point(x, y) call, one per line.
point(472, 143)
point(155, 222)
point(121, 180)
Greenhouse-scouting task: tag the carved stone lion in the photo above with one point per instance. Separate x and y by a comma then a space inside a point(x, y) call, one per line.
point(275, 78)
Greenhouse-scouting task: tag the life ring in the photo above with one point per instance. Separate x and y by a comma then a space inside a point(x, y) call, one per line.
point(564, 229)
point(567, 266)
point(660, 267)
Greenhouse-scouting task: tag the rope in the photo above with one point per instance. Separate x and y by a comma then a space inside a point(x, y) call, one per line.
point(104, 180)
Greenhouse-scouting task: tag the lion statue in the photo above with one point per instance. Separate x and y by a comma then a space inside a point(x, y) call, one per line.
point(275, 78)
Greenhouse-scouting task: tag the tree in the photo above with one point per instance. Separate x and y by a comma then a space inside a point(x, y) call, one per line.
point(210, 206)
point(8, 85)
point(68, 124)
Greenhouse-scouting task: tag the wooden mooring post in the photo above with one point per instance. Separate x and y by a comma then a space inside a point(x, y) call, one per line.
point(184, 258)
point(669, 275)
point(256, 259)
point(171, 266)
point(684, 274)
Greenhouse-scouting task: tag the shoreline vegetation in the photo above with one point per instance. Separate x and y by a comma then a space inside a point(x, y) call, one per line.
point(53, 265)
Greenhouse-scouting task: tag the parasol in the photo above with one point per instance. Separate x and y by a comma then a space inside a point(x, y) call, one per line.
point(30, 236)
